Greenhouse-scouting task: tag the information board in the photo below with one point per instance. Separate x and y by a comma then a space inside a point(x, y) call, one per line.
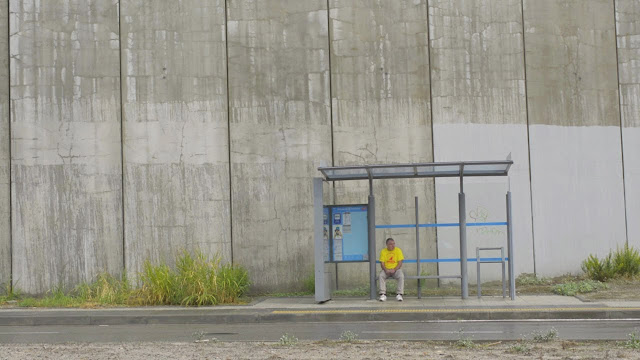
point(325, 230)
point(348, 233)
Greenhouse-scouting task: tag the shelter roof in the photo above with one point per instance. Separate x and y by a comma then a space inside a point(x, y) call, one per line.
point(417, 170)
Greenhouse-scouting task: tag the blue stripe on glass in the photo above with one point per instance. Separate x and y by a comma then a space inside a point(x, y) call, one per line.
point(413, 261)
point(439, 225)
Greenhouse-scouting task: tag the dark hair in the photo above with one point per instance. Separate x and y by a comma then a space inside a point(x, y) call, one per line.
point(388, 240)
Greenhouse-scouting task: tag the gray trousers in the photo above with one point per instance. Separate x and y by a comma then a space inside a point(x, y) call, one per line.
point(398, 275)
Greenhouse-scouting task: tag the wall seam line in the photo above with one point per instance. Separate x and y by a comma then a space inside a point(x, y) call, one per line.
point(10, 287)
point(122, 173)
point(433, 146)
point(624, 184)
point(226, 45)
point(330, 83)
point(526, 100)
point(333, 159)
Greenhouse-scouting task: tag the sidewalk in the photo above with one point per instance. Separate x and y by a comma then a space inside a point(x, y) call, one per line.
point(304, 309)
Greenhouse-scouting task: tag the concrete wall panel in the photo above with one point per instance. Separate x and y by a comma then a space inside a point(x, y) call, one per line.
point(175, 130)
point(5, 161)
point(280, 132)
point(381, 114)
point(576, 162)
point(66, 155)
point(480, 113)
point(628, 36)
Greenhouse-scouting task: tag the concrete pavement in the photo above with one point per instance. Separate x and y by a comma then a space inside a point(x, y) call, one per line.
point(304, 309)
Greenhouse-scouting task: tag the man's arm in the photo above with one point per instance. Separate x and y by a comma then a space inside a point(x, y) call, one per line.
point(399, 265)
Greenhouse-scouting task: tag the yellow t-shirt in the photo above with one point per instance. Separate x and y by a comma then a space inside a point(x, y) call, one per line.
point(390, 258)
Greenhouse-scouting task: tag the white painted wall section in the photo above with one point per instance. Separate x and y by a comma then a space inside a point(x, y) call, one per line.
point(578, 207)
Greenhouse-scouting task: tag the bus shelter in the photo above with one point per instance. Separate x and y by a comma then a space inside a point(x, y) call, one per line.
point(373, 173)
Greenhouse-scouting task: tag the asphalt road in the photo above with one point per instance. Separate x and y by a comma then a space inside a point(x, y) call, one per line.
point(391, 330)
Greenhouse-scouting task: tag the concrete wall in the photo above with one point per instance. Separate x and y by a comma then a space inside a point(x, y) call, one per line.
point(628, 36)
point(479, 113)
point(381, 113)
point(176, 154)
point(229, 106)
point(65, 138)
point(280, 132)
point(574, 133)
point(5, 159)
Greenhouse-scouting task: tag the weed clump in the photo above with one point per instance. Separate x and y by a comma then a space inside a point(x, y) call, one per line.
point(532, 279)
point(633, 342)
point(348, 336)
point(548, 336)
point(520, 348)
point(288, 340)
point(622, 262)
point(573, 288)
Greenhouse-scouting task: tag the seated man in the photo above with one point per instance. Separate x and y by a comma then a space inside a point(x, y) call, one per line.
point(391, 261)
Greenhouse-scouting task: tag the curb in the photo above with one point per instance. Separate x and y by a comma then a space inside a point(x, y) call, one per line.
point(110, 317)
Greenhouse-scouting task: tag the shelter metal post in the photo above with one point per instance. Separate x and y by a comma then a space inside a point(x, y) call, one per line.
point(464, 276)
point(372, 241)
point(418, 251)
point(322, 288)
point(512, 280)
point(479, 283)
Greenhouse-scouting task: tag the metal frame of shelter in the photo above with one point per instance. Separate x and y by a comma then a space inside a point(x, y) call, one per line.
point(402, 171)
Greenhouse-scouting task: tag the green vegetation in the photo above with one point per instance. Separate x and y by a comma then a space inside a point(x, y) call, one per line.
point(599, 270)
point(525, 279)
point(348, 336)
point(288, 340)
point(548, 336)
point(464, 342)
point(626, 261)
point(195, 281)
point(633, 342)
point(55, 298)
point(9, 293)
point(106, 290)
point(520, 348)
point(623, 262)
point(310, 283)
point(578, 287)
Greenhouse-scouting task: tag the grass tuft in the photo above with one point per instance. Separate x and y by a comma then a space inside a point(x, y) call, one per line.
point(626, 261)
point(196, 280)
point(623, 262)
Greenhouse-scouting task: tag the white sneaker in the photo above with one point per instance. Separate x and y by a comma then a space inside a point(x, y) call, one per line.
point(399, 297)
point(383, 297)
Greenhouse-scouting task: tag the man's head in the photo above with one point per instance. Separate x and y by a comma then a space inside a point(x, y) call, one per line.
point(391, 244)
